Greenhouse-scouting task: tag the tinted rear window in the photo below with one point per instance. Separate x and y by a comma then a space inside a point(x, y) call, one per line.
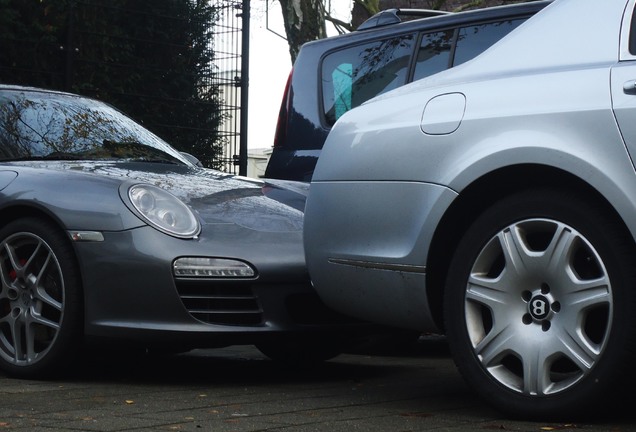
point(355, 75)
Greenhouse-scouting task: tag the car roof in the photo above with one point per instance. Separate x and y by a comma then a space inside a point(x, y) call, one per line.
point(434, 23)
point(15, 87)
point(562, 36)
point(392, 16)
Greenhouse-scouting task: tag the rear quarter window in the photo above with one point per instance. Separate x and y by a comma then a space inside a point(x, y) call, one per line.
point(434, 54)
point(473, 40)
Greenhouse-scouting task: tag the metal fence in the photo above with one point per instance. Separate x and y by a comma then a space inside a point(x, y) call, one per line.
point(230, 36)
point(51, 59)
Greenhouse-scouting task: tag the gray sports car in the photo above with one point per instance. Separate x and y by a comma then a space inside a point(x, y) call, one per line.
point(496, 201)
point(108, 232)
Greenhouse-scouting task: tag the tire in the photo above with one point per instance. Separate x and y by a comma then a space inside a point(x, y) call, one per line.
point(40, 299)
point(539, 306)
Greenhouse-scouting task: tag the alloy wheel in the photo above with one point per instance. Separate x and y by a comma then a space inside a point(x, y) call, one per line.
point(31, 298)
point(538, 307)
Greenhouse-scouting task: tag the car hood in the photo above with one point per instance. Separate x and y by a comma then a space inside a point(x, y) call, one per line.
point(218, 198)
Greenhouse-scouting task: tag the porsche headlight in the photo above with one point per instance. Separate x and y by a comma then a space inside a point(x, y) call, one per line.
point(164, 211)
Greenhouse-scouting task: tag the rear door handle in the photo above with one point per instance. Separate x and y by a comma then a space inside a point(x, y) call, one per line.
point(630, 87)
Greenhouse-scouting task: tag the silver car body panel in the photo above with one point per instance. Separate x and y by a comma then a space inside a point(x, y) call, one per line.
point(383, 184)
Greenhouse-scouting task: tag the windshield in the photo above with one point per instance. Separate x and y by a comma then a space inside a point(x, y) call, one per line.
point(40, 125)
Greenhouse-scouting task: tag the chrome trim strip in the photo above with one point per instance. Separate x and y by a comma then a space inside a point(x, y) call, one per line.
point(379, 266)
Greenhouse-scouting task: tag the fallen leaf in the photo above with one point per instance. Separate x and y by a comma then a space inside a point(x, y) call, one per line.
point(560, 427)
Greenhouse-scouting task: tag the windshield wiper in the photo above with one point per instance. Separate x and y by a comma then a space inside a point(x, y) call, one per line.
point(137, 152)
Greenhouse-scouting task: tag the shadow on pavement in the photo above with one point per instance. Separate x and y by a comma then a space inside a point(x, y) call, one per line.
point(246, 365)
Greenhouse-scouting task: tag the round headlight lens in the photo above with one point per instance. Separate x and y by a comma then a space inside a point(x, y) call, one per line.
point(164, 211)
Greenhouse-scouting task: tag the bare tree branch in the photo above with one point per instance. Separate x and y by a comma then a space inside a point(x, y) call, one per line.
point(303, 17)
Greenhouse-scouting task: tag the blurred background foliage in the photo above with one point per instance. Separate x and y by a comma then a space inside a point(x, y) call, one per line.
point(152, 59)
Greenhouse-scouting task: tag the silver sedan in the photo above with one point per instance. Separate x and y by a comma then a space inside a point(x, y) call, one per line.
point(496, 202)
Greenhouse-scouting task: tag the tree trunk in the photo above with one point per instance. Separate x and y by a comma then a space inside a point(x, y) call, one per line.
point(304, 21)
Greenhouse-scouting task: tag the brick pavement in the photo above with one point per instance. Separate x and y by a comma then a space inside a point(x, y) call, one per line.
point(237, 389)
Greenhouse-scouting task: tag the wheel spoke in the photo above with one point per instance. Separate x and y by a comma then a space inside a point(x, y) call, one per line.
point(29, 338)
point(39, 319)
point(578, 350)
point(4, 274)
point(23, 335)
point(487, 291)
point(44, 297)
point(7, 345)
point(557, 254)
point(21, 347)
point(17, 334)
point(495, 345)
point(535, 373)
point(31, 260)
point(582, 295)
point(13, 258)
point(515, 251)
point(21, 264)
point(40, 290)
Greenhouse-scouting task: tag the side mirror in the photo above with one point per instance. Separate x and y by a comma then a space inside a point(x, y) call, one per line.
point(192, 159)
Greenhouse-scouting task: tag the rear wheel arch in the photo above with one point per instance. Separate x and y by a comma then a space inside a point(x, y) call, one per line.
point(479, 196)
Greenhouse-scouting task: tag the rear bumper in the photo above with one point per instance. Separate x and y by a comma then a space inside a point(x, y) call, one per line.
point(367, 244)
point(286, 164)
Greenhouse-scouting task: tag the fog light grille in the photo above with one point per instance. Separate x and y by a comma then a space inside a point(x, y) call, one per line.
point(217, 303)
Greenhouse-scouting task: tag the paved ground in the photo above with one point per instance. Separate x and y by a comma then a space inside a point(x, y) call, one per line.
point(236, 389)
